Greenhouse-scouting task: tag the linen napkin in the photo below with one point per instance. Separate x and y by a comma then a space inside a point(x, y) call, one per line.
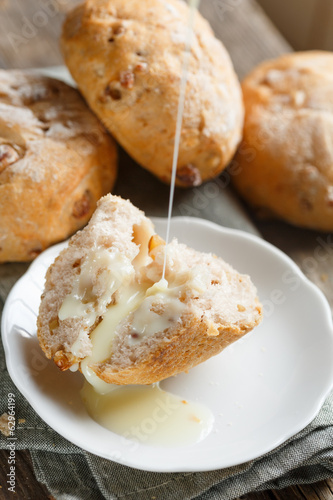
point(73, 474)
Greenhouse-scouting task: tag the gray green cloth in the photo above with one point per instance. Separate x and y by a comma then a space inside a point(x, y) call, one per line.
point(73, 474)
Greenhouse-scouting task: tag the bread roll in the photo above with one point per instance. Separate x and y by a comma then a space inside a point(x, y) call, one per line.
point(56, 161)
point(105, 309)
point(126, 57)
point(285, 164)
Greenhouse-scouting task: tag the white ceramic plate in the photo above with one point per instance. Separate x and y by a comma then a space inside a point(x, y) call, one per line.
point(262, 390)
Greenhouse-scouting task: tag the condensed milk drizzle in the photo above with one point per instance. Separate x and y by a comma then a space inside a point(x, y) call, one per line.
point(194, 5)
point(147, 414)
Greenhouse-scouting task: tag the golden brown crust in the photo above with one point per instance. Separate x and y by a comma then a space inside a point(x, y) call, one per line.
point(134, 53)
point(190, 346)
point(285, 163)
point(56, 161)
point(64, 360)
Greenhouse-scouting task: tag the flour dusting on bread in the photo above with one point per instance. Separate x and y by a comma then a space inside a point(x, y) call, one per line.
point(135, 52)
point(285, 164)
point(56, 161)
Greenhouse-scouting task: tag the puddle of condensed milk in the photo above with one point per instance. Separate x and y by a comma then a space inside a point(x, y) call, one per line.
point(149, 415)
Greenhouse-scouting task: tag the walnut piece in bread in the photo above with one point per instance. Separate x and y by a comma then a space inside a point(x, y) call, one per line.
point(56, 161)
point(105, 309)
point(285, 164)
point(134, 51)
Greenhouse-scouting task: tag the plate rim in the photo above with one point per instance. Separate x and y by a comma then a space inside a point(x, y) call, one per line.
point(302, 422)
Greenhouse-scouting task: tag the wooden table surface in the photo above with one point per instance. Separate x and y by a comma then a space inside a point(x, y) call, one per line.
point(29, 38)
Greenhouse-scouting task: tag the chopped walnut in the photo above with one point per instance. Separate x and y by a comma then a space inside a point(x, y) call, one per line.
point(76, 264)
point(112, 92)
point(82, 206)
point(155, 241)
point(127, 79)
point(64, 360)
point(141, 67)
point(8, 156)
point(37, 250)
point(118, 29)
point(53, 325)
point(189, 175)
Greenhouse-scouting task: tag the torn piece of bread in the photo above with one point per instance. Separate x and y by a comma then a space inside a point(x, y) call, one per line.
point(106, 310)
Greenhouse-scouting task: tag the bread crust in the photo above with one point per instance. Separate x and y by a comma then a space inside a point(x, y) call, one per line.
point(285, 163)
point(188, 347)
point(134, 51)
point(56, 161)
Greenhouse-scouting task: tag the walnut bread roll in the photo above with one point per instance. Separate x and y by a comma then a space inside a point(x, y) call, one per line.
point(106, 311)
point(285, 164)
point(56, 161)
point(126, 57)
